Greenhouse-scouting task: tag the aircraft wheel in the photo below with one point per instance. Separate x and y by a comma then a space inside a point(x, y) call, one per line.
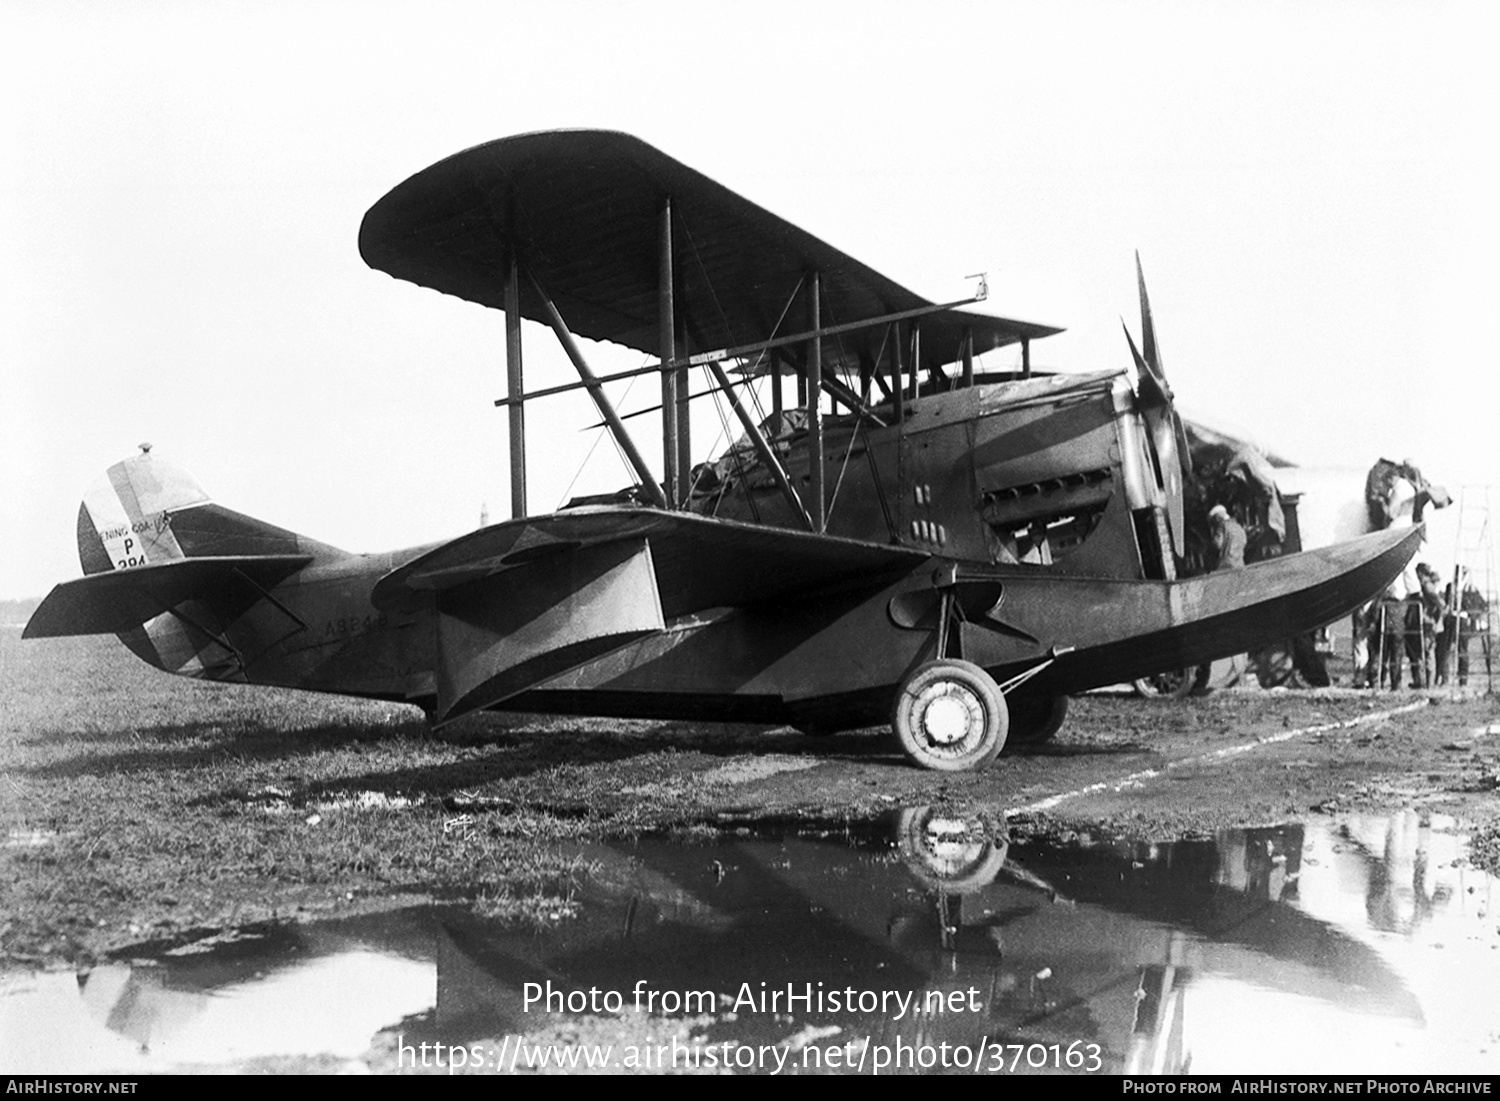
point(1272, 666)
point(1035, 719)
point(950, 716)
point(948, 852)
point(1171, 682)
point(1311, 666)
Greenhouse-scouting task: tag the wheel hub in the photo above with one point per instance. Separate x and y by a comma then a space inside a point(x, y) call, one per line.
point(947, 718)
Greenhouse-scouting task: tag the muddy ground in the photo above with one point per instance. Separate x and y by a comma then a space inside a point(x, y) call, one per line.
point(139, 807)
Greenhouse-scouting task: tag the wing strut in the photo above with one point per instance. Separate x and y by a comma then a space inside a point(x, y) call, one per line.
point(515, 391)
point(671, 379)
point(831, 385)
point(814, 401)
point(762, 447)
point(596, 391)
point(898, 377)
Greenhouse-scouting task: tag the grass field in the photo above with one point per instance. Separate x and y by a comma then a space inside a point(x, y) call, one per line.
point(138, 805)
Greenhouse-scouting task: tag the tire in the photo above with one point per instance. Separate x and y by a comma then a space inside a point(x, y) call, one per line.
point(1311, 666)
point(950, 716)
point(1293, 663)
point(1171, 682)
point(1035, 719)
point(1273, 667)
point(958, 861)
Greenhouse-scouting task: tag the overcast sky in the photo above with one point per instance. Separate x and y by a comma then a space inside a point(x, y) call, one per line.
point(1312, 188)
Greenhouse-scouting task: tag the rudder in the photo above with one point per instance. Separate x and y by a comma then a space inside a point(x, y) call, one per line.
point(125, 519)
point(177, 577)
point(147, 511)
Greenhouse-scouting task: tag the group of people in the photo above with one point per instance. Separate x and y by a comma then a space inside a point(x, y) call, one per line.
point(1402, 626)
point(1416, 622)
point(1423, 626)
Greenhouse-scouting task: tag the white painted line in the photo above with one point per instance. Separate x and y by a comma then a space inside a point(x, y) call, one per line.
point(1136, 778)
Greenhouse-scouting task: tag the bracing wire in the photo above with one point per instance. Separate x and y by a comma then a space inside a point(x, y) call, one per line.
point(604, 431)
point(725, 432)
point(739, 462)
point(860, 428)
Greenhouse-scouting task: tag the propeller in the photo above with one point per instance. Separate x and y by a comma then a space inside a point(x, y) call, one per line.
point(1154, 394)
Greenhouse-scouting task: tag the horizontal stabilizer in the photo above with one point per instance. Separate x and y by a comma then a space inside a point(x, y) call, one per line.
point(699, 562)
point(120, 600)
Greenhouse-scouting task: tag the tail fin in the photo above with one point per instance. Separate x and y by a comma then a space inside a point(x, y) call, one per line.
point(176, 576)
point(146, 511)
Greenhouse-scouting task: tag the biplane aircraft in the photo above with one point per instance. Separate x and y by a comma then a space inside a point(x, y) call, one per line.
point(912, 539)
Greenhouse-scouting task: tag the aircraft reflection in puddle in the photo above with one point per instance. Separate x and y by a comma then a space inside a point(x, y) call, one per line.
point(1042, 949)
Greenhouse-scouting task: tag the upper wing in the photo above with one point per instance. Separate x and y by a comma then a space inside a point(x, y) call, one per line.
point(581, 209)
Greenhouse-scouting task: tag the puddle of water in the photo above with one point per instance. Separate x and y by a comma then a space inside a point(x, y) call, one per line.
point(923, 941)
point(28, 839)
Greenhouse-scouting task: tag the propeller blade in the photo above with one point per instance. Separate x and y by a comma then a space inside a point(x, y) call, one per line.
point(1184, 449)
point(1148, 330)
point(1134, 351)
point(1151, 350)
point(1147, 378)
point(1163, 424)
point(1168, 434)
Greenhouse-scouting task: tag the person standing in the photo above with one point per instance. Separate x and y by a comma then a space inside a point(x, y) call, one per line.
point(1229, 554)
point(1443, 656)
point(1229, 539)
point(1425, 613)
point(1473, 621)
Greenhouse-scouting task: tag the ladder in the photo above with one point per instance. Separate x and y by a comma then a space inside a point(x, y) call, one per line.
point(1474, 569)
